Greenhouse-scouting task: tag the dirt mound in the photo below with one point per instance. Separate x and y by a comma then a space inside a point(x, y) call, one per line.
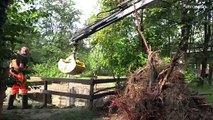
point(157, 92)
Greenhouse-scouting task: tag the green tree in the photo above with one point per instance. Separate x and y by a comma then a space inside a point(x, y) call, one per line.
point(19, 24)
point(116, 50)
point(56, 31)
point(165, 25)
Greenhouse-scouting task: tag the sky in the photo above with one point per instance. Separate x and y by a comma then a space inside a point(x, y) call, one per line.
point(87, 7)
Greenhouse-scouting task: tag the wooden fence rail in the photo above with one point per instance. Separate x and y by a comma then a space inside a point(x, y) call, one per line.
point(92, 93)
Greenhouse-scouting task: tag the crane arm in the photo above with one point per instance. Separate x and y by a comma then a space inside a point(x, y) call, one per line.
point(73, 66)
point(122, 10)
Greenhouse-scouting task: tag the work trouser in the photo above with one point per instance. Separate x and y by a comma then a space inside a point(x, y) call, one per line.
point(16, 87)
point(21, 84)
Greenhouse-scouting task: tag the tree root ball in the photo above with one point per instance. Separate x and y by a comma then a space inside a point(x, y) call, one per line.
point(173, 101)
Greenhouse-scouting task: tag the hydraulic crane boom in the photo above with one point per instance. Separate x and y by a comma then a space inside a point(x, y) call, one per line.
point(122, 10)
point(72, 66)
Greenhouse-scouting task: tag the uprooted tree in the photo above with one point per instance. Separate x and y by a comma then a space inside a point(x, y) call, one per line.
point(158, 91)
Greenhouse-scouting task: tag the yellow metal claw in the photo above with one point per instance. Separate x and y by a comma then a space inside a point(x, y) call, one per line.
point(71, 66)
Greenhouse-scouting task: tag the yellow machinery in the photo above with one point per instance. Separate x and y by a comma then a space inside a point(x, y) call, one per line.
point(72, 66)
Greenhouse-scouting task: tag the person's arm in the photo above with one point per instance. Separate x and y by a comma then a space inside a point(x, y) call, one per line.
point(22, 63)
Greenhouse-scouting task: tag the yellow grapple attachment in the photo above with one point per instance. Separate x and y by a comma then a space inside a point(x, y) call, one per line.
point(71, 66)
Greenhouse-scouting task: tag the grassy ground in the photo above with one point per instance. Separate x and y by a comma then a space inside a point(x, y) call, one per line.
point(77, 114)
point(80, 113)
point(205, 90)
point(51, 114)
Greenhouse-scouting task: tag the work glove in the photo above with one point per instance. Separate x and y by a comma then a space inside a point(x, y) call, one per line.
point(27, 77)
point(24, 71)
point(14, 70)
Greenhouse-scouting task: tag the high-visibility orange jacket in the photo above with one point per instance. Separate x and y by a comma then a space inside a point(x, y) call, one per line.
point(19, 76)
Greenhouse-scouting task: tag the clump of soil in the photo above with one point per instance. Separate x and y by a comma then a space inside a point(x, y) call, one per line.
point(157, 92)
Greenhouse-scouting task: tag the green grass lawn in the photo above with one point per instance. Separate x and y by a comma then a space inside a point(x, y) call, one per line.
point(205, 90)
point(77, 114)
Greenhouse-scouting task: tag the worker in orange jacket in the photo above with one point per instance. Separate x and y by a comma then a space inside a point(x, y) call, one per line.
point(18, 67)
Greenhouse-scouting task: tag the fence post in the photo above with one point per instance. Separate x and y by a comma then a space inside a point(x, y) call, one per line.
point(45, 95)
point(91, 94)
point(118, 84)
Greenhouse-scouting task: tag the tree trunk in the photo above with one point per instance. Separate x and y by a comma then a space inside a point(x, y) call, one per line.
point(210, 40)
point(185, 31)
point(210, 73)
point(3, 16)
point(207, 34)
point(143, 47)
point(2, 95)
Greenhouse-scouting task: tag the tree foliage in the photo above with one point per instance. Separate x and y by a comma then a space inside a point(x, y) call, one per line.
point(55, 33)
point(43, 26)
point(56, 29)
point(163, 26)
point(20, 25)
point(117, 49)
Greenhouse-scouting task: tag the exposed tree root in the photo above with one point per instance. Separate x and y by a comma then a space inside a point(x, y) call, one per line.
point(159, 96)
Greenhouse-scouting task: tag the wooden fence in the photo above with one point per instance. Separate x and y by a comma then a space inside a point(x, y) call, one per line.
point(93, 94)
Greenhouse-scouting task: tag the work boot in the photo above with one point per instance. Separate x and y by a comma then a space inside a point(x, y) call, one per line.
point(10, 102)
point(25, 102)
